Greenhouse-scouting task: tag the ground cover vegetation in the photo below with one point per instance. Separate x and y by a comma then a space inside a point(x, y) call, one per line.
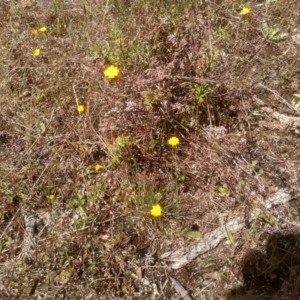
point(131, 128)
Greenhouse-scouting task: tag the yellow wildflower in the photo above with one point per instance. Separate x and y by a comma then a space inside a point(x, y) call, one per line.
point(51, 197)
point(43, 29)
point(97, 168)
point(111, 72)
point(254, 201)
point(80, 108)
point(156, 210)
point(245, 11)
point(118, 41)
point(34, 31)
point(173, 141)
point(36, 52)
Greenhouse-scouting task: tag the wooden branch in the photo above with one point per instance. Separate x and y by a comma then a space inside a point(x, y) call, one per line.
point(211, 240)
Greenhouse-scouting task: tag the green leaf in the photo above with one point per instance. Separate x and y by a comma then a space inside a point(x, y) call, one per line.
point(196, 235)
point(82, 213)
point(229, 236)
point(222, 190)
point(268, 219)
point(153, 297)
point(158, 197)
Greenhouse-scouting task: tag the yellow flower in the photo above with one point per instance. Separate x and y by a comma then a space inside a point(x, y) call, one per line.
point(36, 52)
point(34, 31)
point(43, 29)
point(254, 201)
point(51, 197)
point(118, 41)
point(111, 72)
point(97, 168)
point(245, 11)
point(156, 210)
point(173, 141)
point(80, 108)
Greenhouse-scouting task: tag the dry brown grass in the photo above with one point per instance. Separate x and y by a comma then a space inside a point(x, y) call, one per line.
point(186, 69)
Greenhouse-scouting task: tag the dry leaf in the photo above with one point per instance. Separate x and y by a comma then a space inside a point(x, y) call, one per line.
point(27, 3)
point(63, 277)
point(119, 259)
point(104, 237)
point(213, 275)
point(139, 274)
point(296, 38)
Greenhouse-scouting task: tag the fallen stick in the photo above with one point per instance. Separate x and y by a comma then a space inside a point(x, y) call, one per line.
point(184, 294)
point(211, 240)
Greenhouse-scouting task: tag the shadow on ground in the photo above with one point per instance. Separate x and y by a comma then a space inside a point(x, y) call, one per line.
point(273, 273)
